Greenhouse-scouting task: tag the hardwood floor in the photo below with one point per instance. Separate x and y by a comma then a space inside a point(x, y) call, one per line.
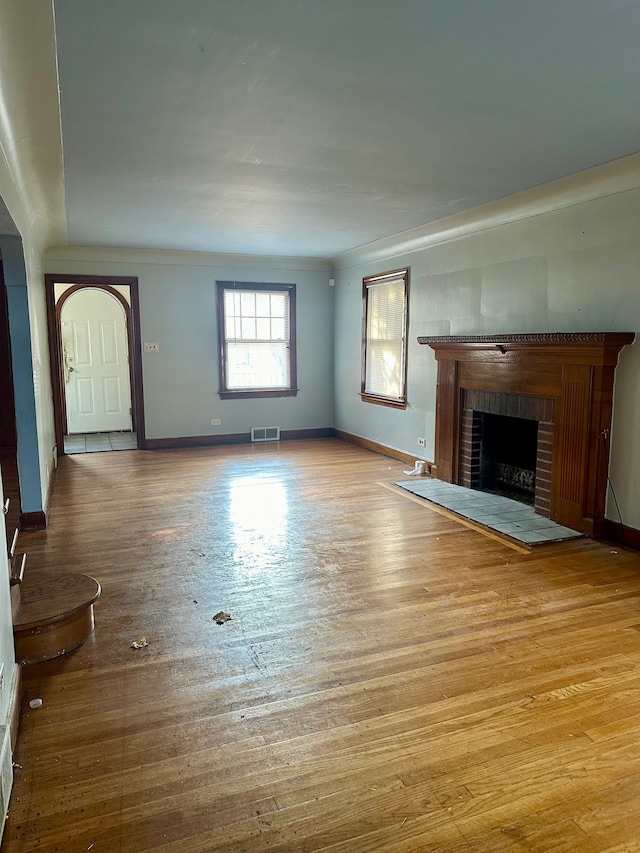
point(390, 680)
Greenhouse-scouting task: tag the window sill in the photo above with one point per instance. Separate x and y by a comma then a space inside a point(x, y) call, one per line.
point(256, 393)
point(383, 401)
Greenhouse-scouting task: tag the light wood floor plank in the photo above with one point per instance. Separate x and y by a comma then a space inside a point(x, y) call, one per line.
point(391, 679)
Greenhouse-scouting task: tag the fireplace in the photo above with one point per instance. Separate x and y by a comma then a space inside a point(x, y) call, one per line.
point(506, 445)
point(562, 384)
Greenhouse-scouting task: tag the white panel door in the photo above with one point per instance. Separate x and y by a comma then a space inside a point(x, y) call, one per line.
point(96, 362)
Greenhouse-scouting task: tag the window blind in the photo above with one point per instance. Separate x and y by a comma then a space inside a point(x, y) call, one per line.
point(385, 339)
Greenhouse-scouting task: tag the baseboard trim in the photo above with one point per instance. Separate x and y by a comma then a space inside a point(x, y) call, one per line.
point(183, 442)
point(304, 434)
point(383, 449)
point(233, 438)
point(52, 480)
point(628, 537)
point(33, 520)
point(15, 703)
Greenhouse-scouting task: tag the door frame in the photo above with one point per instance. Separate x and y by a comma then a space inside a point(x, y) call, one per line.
point(132, 314)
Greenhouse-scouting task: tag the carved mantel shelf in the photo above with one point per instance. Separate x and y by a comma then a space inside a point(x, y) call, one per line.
point(559, 343)
point(575, 370)
point(530, 338)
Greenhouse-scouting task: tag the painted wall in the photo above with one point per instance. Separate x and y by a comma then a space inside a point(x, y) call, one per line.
point(7, 654)
point(575, 269)
point(178, 310)
point(32, 187)
point(24, 278)
point(15, 277)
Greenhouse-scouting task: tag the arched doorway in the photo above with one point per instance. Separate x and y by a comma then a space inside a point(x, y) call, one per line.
point(96, 365)
point(94, 331)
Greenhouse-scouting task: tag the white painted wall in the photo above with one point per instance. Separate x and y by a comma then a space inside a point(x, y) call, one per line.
point(573, 269)
point(7, 654)
point(31, 179)
point(178, 310)
point(30, 149)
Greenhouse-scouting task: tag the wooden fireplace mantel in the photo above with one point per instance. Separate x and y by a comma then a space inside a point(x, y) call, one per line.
point(575, 370)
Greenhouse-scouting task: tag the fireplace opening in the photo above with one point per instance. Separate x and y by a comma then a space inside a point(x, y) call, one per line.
point(509, 438)
point(508, 456)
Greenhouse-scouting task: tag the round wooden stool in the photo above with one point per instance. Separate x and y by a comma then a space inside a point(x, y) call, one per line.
point(55, 615)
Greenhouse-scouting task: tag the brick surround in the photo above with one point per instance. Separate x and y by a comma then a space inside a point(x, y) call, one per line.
point(540, 409)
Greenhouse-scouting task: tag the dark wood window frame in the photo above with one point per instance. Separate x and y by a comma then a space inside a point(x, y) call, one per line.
point(367, 282)
point(253, 393)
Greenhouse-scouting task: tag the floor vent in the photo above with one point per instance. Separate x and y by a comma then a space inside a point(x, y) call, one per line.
point(6, 775)
point(265, 433)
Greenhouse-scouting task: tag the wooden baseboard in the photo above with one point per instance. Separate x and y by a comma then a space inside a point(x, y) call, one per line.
point(628, 537)
point(15, 704)
point(285, 435)
point(304, 434)
point(196, 441)
point(375, 447)
point(33, 520)
point(233, 438)
point(15, 601)
point(52, 479)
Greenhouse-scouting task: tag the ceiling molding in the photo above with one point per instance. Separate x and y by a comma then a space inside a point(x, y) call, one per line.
point(609, 179)
point(168, 257)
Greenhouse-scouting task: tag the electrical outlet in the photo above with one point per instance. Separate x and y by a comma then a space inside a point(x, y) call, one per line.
point(422, 442)
point(215, 421)
point(150, 346)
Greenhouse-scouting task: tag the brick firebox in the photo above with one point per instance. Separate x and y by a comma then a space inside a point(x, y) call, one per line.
point(539, 409)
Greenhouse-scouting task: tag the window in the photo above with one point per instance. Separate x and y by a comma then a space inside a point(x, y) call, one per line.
point(256, 324)
point(384, 345)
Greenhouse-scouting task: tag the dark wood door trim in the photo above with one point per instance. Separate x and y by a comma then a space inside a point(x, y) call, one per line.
point(132, 313)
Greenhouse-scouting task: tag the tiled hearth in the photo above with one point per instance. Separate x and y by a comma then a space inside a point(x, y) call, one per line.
point(503, 515)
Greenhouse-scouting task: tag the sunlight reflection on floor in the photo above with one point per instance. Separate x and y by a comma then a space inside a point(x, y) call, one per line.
point(258, 514)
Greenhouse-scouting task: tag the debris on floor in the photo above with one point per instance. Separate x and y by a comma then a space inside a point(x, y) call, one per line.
point(221, 617)
point(35, 703)
point(142, 643)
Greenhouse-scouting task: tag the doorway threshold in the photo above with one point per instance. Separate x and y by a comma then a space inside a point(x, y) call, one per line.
point(98, 442)
point(502, 515)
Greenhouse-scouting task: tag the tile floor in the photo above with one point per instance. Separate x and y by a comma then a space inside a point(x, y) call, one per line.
point(95, 442)
point(503, 515)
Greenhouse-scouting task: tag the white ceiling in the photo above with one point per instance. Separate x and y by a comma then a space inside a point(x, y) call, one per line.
point(308, 127)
